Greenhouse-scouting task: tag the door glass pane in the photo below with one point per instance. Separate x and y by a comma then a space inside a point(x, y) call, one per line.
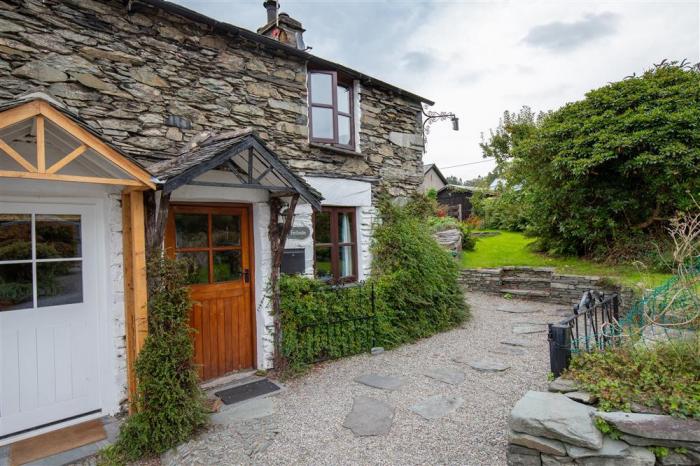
point(198, 266)
point(227, 266)
point(226, 230)
point(15, 237)
point(343, 99)
point(345, 263)
point(321, 88)
point(322, 227)
point(191, 230)
point(322, 123)
point(343, 130)
point(323, 263)
point(345, 227)
point(16, 287)
point(57, 236)
point(59, 283)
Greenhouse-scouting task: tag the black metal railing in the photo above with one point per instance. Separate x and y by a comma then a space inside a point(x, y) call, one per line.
point(349, 325)
point(594, 325)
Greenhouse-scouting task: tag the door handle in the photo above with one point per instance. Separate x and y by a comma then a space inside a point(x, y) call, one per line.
point(246, 275)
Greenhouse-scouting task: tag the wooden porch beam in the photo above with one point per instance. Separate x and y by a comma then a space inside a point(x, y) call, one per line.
point(17, 157)
point(17, 114)
point(67, 159)
point(73, 178)
point(40, 144)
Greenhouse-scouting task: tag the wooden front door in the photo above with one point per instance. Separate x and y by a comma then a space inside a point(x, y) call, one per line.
point(216, 239)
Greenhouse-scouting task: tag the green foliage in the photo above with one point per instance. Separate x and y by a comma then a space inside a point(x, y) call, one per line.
point(507, 209)
point(432, 193)
point(664, 376)
point(447, 223)
point(607, 429)
point(307, 306)
point(603, 173)
point(416, 279)
point(416, 292)
point(169, 403)
point(659, 452)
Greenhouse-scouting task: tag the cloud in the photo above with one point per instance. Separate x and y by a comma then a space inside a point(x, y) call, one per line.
point(559, 36)
point(418, 61)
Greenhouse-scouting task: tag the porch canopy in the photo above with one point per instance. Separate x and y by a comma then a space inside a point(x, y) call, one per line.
point(241, 153)
point(42, 140)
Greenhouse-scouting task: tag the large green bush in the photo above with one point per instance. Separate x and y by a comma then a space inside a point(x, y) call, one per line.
point(604, 174)
point(169, 403)
point(415, 286)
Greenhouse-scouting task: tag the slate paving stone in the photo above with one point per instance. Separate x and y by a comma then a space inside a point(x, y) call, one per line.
point(483, 365)
point(512, 310)
point(437, 406)
point(519, 342)
point(447, 375)
point(508, 350)
point(521, 329)
point(385, 382)
point(369, 417)
point(247, 410)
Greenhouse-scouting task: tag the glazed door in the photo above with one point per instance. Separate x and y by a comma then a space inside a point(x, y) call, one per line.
point(216, 241)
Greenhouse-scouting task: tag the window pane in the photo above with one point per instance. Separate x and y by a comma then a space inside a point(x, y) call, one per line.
point(321, 88)
point(198, 266)
point(57, 236)
point(324, 270)
point(343, 130)
point(15, 237)
point(322, 227)
point(59, 283)
point(191, 230)
point(321, 123)
point(16, 287)
point(344, 99)
point(227, 266)
point(226, 230)
point(346, 259)
point(345, 225)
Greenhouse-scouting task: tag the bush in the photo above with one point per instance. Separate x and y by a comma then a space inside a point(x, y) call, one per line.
point(169, 403)
point(506, 210)
point(416, 279)
point(447, 223)
point(664, 376)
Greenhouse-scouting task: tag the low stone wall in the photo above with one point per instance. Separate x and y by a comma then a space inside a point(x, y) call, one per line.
point(541, 283)
point(555, 428)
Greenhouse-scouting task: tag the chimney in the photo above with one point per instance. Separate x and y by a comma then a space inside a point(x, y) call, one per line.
point(271, 6)
point(282, 27)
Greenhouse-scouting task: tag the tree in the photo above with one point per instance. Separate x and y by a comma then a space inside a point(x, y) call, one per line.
point(611, 169)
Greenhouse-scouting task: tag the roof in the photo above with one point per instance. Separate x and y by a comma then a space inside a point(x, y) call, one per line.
point(460, 188)
point(430, 166)
point(239, 152)
point(275, 45)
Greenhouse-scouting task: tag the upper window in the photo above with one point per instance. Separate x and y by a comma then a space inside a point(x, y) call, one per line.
point(335, 245)
point(330, 109)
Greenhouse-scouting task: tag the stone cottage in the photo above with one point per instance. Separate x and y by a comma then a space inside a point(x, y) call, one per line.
point(125, 125)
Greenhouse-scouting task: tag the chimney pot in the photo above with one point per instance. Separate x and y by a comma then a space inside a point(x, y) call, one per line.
point(271, 6)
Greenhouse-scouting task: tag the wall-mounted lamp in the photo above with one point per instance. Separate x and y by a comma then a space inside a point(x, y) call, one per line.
point(431, 117)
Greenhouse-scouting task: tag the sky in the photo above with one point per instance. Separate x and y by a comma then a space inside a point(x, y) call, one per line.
point(480, 58)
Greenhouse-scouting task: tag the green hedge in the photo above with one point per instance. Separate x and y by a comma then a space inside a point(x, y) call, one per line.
point(416, 294)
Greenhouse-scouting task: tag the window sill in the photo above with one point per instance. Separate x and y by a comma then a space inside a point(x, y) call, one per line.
point(337, 150)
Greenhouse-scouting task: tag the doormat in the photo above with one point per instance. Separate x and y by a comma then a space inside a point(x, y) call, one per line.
point(247, 391)
point(58, 441)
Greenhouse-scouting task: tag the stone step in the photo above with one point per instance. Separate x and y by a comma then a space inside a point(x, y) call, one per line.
point(526, 293)
point(527, 279)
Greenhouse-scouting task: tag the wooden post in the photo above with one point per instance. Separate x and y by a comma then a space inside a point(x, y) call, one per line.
point(278, 238)
point(135, 284)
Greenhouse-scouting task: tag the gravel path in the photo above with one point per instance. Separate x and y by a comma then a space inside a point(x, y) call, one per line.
point(307, 427)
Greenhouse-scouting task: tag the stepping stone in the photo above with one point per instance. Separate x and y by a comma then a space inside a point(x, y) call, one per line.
point(443, 374)
point(508, 350)
point(369, 417)
point(437, 406)
point(562, 385)
point(483, 365)
point(523, 329)
point(518, 342)
point(385, 382)
point(245, 411)
point(511, 310)
point(582, 397)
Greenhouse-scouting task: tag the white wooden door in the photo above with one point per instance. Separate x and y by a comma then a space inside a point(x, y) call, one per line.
point(48, 315)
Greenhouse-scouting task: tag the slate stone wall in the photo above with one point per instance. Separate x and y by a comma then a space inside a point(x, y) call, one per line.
point(150, 81)
point(551, 429)
point(541, 283)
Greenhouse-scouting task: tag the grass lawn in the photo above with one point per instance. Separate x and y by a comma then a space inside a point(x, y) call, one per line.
point(509, 248)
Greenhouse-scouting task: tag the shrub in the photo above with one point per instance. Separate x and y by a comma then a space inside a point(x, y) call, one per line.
point(169, 403)
point(664, 376)
point(416, 279)
point(448, 223)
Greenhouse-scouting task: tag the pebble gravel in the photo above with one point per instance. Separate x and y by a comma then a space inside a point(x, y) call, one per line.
point(307, 427)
